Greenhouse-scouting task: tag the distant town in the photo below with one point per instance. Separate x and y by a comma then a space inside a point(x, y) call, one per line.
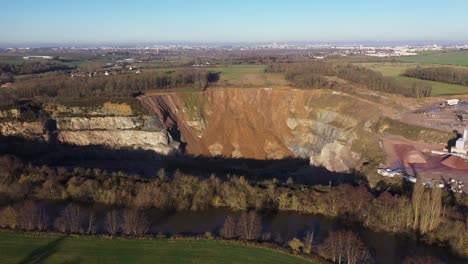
point(318, 51)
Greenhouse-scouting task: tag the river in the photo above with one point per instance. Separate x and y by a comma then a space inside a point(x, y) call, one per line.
point(385, 247)
point(282, 226)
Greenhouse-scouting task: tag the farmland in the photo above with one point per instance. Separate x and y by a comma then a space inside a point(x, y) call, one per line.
point(394, 69)
point(242, 75)
point(450, 58)
point(19, 248)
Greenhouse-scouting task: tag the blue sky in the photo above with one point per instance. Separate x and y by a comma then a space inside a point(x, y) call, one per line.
point(85, 21)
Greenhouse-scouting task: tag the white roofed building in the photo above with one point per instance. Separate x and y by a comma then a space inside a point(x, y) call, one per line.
point(461, 146)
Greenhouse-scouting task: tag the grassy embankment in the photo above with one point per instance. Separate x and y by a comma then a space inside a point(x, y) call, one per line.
point(394, 69)
point(28, 248)
point(412, 132)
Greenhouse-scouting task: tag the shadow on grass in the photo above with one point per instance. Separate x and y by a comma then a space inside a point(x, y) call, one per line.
point(42, 253)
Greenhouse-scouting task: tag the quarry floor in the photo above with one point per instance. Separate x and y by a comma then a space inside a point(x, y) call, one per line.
point(432, 115)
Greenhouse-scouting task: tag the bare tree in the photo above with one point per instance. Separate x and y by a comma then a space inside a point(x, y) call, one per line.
point(31, 216)
point(71, 220)
point(249, 226)
point(308, 241)
point(228, 230)
point(354, 249)
point(266, 236)
point(42, 222)
point(417, 199)
point(278, 238)
point(8, 217)
point(112, 222)
point(27, 215)
point(60, 225)
point(427, 208)
point(134, 222)
point(342, 247)
point(435, 208)
point(91, 223)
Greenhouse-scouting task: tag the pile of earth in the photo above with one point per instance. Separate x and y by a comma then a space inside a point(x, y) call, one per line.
point(455, 162)
point(409, 155)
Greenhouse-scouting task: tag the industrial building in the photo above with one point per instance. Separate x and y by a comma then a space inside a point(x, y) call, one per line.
point(461, 145)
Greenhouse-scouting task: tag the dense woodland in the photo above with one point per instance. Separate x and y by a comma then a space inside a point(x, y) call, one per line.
point(33, 67)
point(313, 75)
point(439, 74)
point(7, 71)
point(64, 86)
point(304, 75)
point(423, 211)
point(6, 78)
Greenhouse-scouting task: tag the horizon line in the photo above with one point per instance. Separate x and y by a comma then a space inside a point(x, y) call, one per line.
point(68, 44)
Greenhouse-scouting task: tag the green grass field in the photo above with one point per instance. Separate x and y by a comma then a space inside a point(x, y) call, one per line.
point(20, 248)
point(394, 69)
point(451, 58)
point(242, 75)
point(238, 71)
point(11, 59)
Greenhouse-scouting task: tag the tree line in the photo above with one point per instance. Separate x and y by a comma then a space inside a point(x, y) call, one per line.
point(439, 74)
point(74, 219)
point(247, 226)
point(422, 211)
point(64, 86)
point(7, 70)
point(339, 246)
point(314, 75)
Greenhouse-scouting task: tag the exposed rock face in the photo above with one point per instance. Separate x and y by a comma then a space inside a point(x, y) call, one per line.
point(11, 113)
point(241, 123)
point(109, 123)
point(265, 123)
point(30, 130)
point(338, 156)
point(158, 141)
point(144, 132)
point(107, 109)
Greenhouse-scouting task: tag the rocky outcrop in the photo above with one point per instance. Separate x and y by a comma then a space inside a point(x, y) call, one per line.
point(336, 156)
point(106, 109)
point(148, 123)
point(143, 132)
point(11, 113)
point(30, 130)
point(266, 123)
point(157, 141)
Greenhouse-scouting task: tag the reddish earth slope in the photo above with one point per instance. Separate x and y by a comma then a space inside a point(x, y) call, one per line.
point(265, 123)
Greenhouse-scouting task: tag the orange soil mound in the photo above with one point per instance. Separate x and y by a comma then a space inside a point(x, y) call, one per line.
point(455, 162)
point(409, 155)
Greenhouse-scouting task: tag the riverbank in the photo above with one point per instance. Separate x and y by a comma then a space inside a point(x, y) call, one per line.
point(278, 229)
point(16, 247)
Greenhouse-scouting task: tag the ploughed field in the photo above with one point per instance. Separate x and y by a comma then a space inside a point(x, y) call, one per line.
point(20, 248)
